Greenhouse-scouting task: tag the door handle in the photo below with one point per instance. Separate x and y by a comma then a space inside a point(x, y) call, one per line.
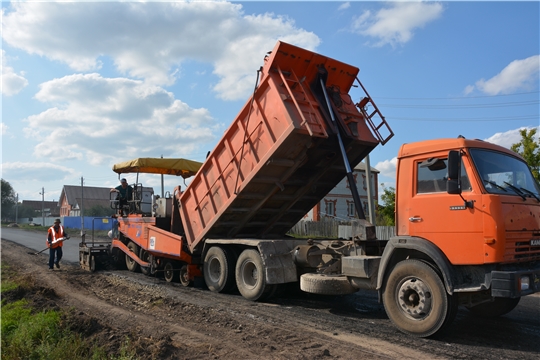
point(415, 218)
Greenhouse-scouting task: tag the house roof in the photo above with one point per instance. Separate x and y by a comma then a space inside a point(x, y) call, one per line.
point(90, 195)
point(362, 167)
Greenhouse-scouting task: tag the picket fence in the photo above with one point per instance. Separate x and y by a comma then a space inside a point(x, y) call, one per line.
point(334, 229)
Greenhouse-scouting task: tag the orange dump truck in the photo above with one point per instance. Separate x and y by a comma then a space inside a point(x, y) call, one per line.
point(467, 218)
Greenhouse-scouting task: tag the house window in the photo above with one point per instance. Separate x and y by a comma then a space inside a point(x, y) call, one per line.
point(355, 175)
point(330, 207)
point(351, 209)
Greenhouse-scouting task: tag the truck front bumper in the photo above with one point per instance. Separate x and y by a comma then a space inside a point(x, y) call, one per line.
point(514, 284)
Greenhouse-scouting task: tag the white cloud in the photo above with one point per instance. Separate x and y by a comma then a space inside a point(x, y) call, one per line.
point(396, 25)
point(98, 119)
point(4, 129)
point(516, 76)
point(344, 6)
point(36, 171)
point(12, 83)
point(150, 40)
point(387, 167)
point(508, 138)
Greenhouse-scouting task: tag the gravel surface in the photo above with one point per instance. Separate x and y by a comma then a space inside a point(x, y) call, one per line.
point(169, 321)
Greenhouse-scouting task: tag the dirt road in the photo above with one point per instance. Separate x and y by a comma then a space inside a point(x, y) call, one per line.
point(169, 321)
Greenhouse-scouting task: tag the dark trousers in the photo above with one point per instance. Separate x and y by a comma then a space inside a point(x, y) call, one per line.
point(123, 207)
point(52, 252)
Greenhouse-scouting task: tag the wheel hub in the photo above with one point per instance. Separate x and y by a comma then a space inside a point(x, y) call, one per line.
point(215, 269)
point(414, 298)
point(250, 274)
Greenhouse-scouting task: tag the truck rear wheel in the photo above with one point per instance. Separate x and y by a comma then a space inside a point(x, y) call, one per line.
point(131, 264)
point(250, 278)
point(497, 307)
point(415, 299)
point(218, 269)
point(169, 272)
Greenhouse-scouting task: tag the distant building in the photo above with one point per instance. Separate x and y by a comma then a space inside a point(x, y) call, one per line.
point(339, 204)
point(73, 197)
point(50, 208)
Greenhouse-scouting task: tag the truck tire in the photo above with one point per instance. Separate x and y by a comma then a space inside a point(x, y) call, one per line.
point(326, 284)
point(118, 259)
point(416, 301)
point(170, 273)
point(218, 269)
point(250, 277)
point(131, 264)
point(497, 307)
point(145, 256)
point(183, 274)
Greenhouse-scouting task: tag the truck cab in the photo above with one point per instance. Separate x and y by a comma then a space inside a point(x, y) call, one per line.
point(496, 216)
point(467, 233)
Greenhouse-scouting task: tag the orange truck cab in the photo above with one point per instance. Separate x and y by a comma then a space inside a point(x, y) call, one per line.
point(470, 211)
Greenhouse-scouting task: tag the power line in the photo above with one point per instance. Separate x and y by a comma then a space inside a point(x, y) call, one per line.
point(483, 119)
point(460, 106)
point(459, 98)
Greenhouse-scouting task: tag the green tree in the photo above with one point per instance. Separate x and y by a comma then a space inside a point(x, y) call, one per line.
point(8, 201)
point(529, 149)
point(25, 211)
point(386, 212)
point(99, 210)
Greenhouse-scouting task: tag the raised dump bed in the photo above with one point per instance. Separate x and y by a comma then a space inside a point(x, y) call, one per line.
point(280, 156)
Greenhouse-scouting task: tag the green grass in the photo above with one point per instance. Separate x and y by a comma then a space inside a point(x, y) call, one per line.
point(28, 333)
point(6, 284)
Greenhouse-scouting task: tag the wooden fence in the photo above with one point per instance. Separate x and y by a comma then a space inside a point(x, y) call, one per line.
point(334, 229)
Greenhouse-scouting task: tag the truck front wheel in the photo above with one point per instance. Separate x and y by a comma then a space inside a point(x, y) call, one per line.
point(145, 256)
point(497, 307)
point(415, 299)
point(250, 278)
point(218, 269)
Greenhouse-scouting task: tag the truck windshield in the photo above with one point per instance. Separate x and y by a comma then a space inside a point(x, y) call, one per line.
point(504, 174)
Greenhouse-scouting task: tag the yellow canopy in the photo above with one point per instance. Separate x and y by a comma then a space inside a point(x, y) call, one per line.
point(178, 167)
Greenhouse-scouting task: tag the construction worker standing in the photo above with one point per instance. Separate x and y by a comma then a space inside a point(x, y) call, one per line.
point(55, 233)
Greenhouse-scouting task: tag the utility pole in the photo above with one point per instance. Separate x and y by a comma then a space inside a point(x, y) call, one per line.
point(162, 186)
point(82, 210)
point(42, 193)
point(17, 208)
point(371, 205)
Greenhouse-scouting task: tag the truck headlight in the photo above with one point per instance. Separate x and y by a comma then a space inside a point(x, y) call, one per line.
point(525, 283)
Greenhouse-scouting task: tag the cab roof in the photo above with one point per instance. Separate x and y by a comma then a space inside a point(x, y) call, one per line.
point(428, 146)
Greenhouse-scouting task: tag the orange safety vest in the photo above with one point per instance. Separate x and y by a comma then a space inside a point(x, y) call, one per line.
point(55, 235)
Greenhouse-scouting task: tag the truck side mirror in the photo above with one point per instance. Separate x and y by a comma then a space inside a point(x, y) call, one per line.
point(453, 185)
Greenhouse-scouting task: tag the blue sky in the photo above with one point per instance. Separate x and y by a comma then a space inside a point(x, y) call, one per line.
point(87, 85)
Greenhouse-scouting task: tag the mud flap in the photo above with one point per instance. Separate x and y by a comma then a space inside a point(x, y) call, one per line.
point(278, 262)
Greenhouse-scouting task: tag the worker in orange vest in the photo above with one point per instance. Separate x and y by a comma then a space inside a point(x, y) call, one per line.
point(55, 233)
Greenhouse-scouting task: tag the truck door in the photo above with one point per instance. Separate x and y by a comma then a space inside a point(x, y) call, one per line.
point(442, 218)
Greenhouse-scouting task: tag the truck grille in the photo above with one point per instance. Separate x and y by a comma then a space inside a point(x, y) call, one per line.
point(518, 247)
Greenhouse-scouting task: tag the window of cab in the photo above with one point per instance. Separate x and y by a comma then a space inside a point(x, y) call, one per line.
point(432, 176)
